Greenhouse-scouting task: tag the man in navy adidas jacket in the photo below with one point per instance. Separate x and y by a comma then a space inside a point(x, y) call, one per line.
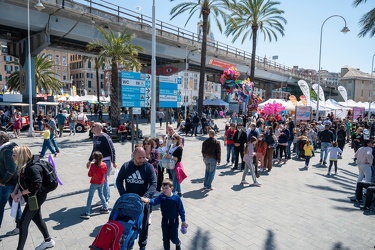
point(140, 178)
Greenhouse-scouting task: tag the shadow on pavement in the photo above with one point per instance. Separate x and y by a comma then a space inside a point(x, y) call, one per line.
point(228, 172)
point(196, 194)
point(239, 187)
point(339, 245)
point(327, 188)
point(95, 232)
point(200, 240)
point(348, 172)
point(66, 217)
point(200, 180)
point(270, 242)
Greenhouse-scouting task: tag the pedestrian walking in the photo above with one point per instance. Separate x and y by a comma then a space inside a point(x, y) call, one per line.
point(239, 140)
point(308, 149)
point(211, 152)
point(334, 153)
point(61, 118)
point(161, 117)
point(103, 143)
point(228, 141)
point(30, 188)
point(8, 179)
point(52, 127)
point(47, 142)
point(97, 172)
point(138, 176)
point(171, 207)
point(249, 159)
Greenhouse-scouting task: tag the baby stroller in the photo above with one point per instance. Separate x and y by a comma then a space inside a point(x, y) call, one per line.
point(127, 211)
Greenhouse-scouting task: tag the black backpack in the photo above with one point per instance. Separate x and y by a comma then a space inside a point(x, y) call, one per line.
point(50, 182)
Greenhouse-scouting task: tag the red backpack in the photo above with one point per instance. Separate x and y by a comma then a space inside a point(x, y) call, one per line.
point(109, 237)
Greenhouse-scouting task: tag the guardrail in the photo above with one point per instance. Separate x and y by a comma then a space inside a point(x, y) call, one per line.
point(119, 13)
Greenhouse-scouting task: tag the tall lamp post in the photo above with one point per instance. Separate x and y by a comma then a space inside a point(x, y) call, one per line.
point(370, 97)
point(39, 6)
point(343, 30)
point(153, 72)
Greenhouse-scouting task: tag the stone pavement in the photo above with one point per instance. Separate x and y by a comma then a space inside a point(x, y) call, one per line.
point(292, 209)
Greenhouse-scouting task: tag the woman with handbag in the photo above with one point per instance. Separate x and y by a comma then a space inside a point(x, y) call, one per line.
point(175, 152)
point(30, 178)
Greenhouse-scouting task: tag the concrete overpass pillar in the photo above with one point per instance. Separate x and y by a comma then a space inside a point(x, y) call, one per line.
point(269, 87)
point(18, 49)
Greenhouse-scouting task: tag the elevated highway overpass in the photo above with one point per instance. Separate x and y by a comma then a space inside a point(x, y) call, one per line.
point(69, 25)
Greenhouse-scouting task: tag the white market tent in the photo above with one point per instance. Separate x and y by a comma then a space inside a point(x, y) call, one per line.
point(215, 102)
point(350, 103)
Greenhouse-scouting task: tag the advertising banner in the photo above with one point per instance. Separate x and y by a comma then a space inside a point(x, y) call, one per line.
point(321, 92)
point(305, 90)
point(357, 111)
point(343, 93)
point(303, 113)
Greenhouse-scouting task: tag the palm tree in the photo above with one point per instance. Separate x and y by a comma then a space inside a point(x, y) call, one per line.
point(367, 21)
point(45, 77)
point(204, 7)
point(249, 17)
point(118, 48)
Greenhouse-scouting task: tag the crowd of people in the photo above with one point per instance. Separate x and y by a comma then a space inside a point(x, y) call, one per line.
point(262, 143)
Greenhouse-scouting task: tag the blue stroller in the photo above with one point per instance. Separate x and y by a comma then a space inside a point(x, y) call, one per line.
point(128, 210)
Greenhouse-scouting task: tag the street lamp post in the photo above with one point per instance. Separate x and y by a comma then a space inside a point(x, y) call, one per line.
point(370, 97)
point(153, 72)
point(343, 30)
point(39, 6)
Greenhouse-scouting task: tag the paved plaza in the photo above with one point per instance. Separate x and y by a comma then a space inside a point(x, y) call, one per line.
point(293, 209)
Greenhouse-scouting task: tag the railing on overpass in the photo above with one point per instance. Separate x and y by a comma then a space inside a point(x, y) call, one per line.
point(261, 62)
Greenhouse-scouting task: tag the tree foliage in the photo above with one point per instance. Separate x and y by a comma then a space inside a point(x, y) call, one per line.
point(45, 77)
point(119, 50)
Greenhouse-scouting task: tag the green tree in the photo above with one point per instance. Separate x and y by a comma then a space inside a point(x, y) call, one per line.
point(204, 8)
point(118, 48)
point(367, 21)
point(249, 17)
point(45, 77)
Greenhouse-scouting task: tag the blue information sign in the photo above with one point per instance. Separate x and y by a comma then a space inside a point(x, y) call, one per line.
point(169, 92)
point(135, 89)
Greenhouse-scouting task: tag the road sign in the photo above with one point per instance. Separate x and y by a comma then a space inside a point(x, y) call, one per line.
point(136, 89)
point(170, 92)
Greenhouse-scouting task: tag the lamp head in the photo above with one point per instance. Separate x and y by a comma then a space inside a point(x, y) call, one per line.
point(345, 30)
point(39, 6)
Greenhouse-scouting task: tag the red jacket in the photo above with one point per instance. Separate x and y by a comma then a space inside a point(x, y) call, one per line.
point(97, 174)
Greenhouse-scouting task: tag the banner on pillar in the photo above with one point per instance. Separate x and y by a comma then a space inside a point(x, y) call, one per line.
point(343, 93)
point(321, 94)
point(305, 90)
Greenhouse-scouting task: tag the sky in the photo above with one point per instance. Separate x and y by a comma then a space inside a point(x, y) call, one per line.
point(300, 44)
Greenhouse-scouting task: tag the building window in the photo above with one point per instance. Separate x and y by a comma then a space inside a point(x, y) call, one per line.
point(57, 59)
point(64, 76)
point(89, 84)
point(101, 85)
point(64, 62)
point(1, 78)
point(362, 92)
point(89, 64)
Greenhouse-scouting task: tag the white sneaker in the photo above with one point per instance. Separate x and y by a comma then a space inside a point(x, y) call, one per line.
point(149, 220)
point(45, 245)
point(257, 184)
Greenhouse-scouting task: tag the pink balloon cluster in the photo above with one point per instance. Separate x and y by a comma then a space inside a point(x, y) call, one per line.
point(273, 108)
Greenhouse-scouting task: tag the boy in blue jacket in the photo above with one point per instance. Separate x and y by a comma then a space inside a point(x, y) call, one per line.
point(171, 207)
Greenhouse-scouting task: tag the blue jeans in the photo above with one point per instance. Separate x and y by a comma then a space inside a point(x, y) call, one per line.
point(5, 192)
point(106, 190)
point(177, 186)
point(93, 188)
point(169, 228)
point(54, 144)
point(323, 150)
point(209, 175)
point(230, 149)
point(47, 144)
point(288, 148)
point(40, 126)
point(72, 127)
